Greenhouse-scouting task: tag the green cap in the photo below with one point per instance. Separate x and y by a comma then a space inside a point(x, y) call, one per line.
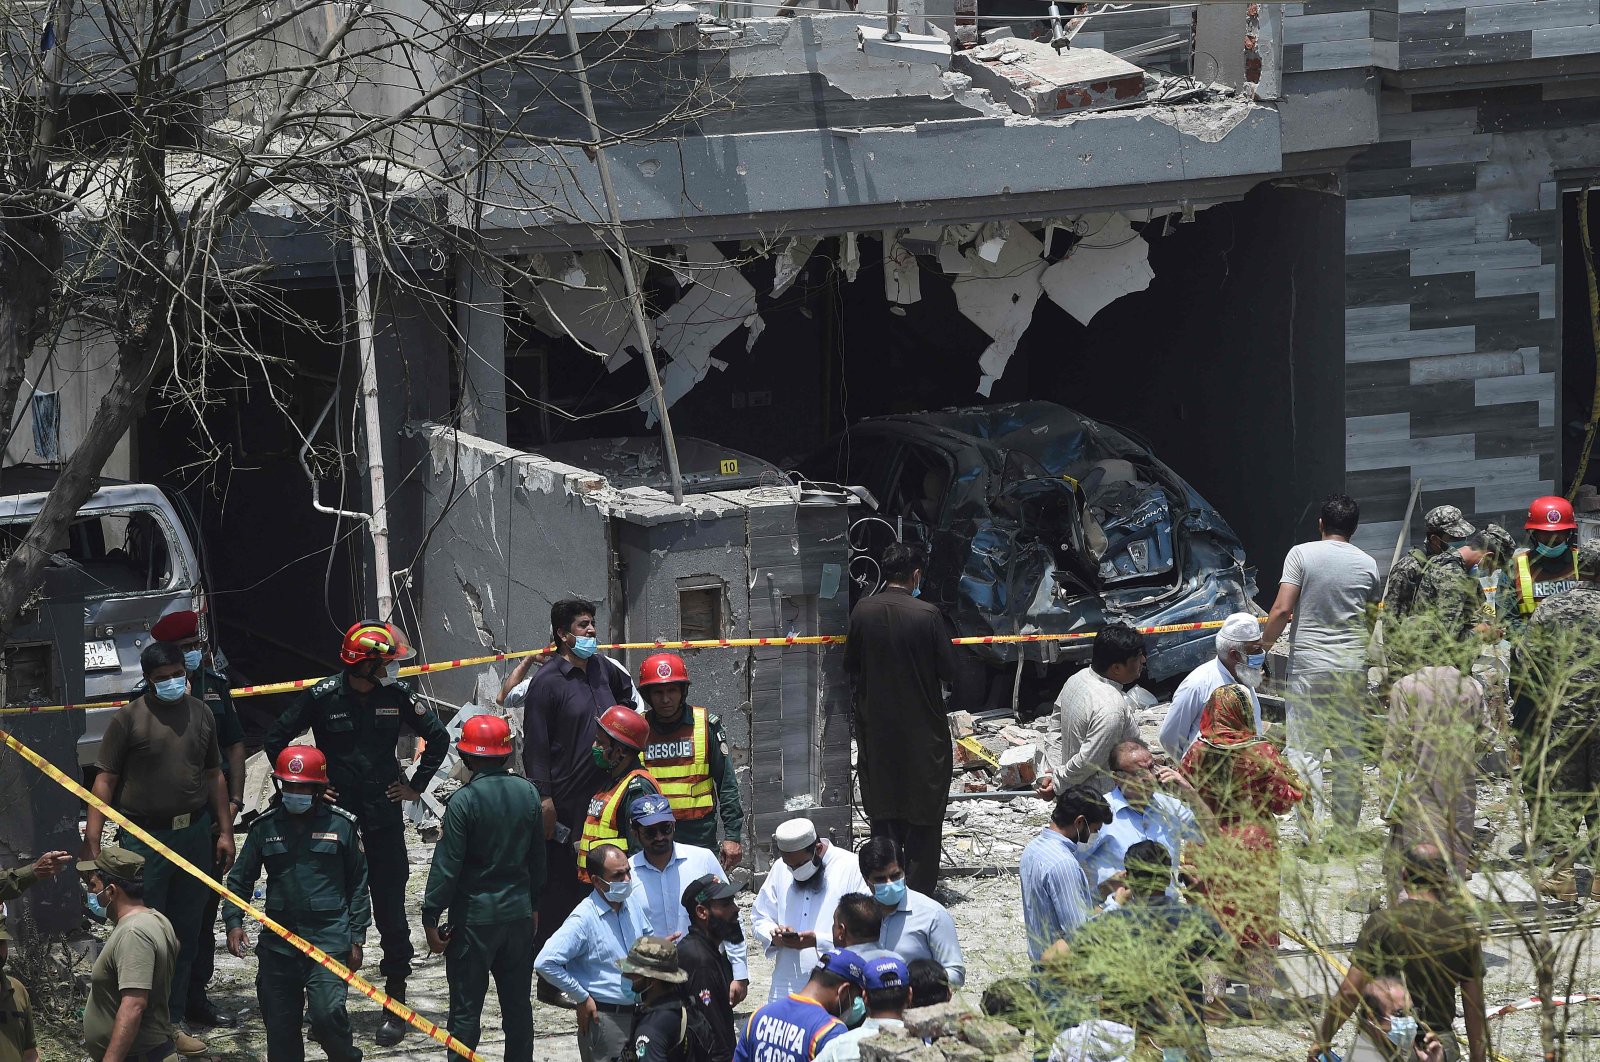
point(115, 862)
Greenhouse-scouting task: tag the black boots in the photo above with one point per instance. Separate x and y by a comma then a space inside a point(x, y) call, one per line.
point(393, 1030)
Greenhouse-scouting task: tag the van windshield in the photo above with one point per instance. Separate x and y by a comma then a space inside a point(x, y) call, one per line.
point(107, 554)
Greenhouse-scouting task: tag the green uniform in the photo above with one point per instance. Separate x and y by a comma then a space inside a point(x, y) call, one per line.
point(16, 1021)
point(1449, 597)
point(358, 732)
point(488, 871)
point(1404, 578)
point(317, 887)
point(14, 883)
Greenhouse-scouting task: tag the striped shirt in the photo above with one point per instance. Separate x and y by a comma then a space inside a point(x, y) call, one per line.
point(1055, 891)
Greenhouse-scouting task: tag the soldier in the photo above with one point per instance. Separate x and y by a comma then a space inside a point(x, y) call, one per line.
point(357, 717)
point(1445, 525)
point(317, 888)
point(14, 883)
point(1562, 766)
point(17, 1042)
point(488, 870)
point(1548, 565)
point(182, 628)
point(688, 755)
point(1449, 597)
point(618, 740)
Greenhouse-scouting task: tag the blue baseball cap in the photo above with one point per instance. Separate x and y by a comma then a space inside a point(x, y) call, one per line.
point(846, 964)
point(650, 810)
point(887, 970)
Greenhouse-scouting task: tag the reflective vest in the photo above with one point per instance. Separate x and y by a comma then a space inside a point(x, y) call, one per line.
point(681, 764)
point(1530, 593)
point(604, 824)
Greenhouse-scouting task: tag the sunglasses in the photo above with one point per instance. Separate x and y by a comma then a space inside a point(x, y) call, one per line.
point(660, 829)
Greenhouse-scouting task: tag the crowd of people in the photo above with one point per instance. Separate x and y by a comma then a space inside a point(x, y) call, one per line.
point(586, 860)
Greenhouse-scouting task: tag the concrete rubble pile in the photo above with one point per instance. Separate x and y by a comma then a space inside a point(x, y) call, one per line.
point(949, 1031)
point(997, 755)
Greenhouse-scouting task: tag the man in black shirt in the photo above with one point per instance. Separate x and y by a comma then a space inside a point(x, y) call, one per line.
point(661, 1021)
point(713, 921)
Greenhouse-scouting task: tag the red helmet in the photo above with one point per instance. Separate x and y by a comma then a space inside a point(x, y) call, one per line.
point(659, 669)
point(301, 763)
point(485, 735)
point(1550, 514)
point(371, 640)
point(626, 726)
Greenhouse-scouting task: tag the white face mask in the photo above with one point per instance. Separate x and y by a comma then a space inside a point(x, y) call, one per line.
point(806, 871)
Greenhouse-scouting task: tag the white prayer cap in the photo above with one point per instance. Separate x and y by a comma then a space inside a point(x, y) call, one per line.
point(1241, 628)
point(795, 835)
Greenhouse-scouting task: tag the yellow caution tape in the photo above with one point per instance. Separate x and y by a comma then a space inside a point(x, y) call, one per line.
point(703, 643)
point(305, 947)
point(971, 745)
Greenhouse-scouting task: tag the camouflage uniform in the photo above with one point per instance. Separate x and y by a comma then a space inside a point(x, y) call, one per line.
point(1564, 748)
point(1449, 596)
point(1405, 577)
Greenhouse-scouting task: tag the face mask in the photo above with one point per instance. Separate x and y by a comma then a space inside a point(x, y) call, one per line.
point(172, 689)
point(584, 648)
point(916, 591)
point(1550, 552)
point(191, 659)
point(1256, 660)
point(807, 871)
point(727, 929)
point(598, 755)
point(97, 906)
point(298, 803)
point(1402, 1030)
point(855, 1014)
point(618, 891)
point(890, 893)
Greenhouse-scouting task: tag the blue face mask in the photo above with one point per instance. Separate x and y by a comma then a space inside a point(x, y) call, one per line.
point(172, 689)
point(298, 803)
point(97, 907)
point(890, 893)
point(1256, 660)
point(1402, 1030)
point(856, 1014)
point(618, 891)
point(584, 648)
point(1550, 552)
point(191, 659)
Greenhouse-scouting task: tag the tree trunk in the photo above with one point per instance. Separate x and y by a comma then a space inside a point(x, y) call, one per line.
point(30, 263)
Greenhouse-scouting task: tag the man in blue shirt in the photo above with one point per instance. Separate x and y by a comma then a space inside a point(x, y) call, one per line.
point(580, 958)
point(1057, 896)
point(1142, 811)
point(795, 1028)
point(913, 926)
point(662, 869)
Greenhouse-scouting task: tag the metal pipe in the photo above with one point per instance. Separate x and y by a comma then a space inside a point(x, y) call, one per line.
point(892, 34)
point(372, 424)
point(316, 492)
point(625, 258)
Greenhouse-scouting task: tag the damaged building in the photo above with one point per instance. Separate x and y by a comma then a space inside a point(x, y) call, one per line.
point(1320, 244)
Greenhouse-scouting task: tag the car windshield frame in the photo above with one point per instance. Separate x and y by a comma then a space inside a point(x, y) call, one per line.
point(177, 561)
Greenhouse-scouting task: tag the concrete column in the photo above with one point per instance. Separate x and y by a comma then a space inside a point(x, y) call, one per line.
point(1219, 32)
point(481, 323)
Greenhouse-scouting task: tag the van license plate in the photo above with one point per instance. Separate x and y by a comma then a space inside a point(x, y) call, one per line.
point(101, 656)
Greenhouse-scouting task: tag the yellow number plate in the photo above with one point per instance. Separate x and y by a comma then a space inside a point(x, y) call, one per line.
point(730, 468)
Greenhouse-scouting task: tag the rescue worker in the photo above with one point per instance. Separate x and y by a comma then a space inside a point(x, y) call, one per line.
point(1445, 525)
point(619, 739)
point(17, 1041)
point(1562, 761)
point(688, 756)
point(661, 1021)
point(182, 628)
point(316, 888)
point(357, 717)
point(488, 870)
point(1548, 565)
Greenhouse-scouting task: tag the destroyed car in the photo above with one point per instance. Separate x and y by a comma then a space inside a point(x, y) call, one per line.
point(1038, 519)
point(128, 557)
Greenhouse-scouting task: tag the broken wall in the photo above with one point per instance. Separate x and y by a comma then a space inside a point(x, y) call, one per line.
point(60, 394)
point(511, 534)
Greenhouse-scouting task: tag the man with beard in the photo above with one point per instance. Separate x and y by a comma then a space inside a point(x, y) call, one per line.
point(1240, 659)
point(794, 910)
point(713, 924)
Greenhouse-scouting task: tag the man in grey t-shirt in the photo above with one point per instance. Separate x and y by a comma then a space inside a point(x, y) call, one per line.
point(1326, 589)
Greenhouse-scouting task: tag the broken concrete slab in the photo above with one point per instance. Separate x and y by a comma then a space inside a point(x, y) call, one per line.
point(720, 302)
point(999, 297)
point(906, 47)
point(1034, 80)
point(1111, 261)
